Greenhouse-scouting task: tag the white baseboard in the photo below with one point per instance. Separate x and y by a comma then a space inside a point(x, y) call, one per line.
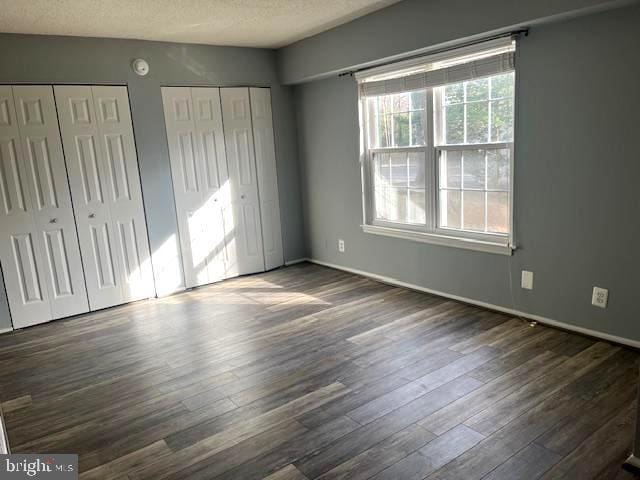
point(293, 262)
point(490, 306)
point(5, 330)
point(633, 461)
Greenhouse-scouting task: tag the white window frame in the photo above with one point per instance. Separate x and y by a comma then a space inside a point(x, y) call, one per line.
point(430, 232)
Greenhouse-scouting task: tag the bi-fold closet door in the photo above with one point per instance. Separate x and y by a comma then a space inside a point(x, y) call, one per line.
point(73, 234)
point(102, 164)
point(38, 243)
point(262, 121)
point(200, 181)
point(223, 168)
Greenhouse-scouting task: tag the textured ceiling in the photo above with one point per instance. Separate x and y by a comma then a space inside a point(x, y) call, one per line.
point(250, 23)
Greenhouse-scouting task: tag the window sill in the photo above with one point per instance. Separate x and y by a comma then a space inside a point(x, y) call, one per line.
point(438, 239)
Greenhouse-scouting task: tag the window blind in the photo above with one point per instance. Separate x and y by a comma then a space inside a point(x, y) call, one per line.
point(434, 76)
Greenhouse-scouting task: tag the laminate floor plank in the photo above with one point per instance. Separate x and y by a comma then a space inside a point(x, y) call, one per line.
point(434, 455)
point(531, 463)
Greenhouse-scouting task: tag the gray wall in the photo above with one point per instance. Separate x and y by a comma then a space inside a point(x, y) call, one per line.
point(41, 59)
point(577, 172)
point(415, 25)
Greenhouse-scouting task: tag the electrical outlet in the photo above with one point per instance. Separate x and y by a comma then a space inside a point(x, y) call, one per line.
point(341, 245)
point(600, 296)
point(527, 280)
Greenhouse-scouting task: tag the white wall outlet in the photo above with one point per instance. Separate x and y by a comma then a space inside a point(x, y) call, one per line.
point(600, 296)
point(527, 280)
point(341, 245)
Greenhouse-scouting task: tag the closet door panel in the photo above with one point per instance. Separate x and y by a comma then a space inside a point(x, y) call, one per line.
point(267, 176)
point(247, 230)
point(52, 209)
point(90, 191)
point(21, 258)
point(122, 181)
point(215, 179)
point(186, 173)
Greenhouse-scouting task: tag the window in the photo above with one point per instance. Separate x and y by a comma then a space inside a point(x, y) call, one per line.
point(438, 153)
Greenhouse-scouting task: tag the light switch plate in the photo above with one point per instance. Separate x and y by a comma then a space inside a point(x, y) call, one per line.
point(527, 280)
point(600, 297)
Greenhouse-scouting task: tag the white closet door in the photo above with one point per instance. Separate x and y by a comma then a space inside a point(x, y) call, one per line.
point(103, 174)
point(181, 137)
point(38, 124)
point(124, 193)
point(215, 179)
point(38, 244)
point(267, 176)
point(20, 252)
point(245, 231)
point(200, 182)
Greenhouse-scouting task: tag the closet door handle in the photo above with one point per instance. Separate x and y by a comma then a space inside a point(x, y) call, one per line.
point(242, 196)
point(92, 215)
point(53, 220)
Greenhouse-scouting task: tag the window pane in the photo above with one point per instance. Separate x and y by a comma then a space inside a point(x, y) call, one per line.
point(454, 93)
point(399, 192)
point(385, 104)
point(417, 128)
point(401, 130)
point(477, 122)
point(482, 170)
point(451, 170)
point(380, 198)
point(372, 124)
point(474, 172)
point(397, 120)
point(384, 132)
point(477, 90)
point(401, 103)
point(397, 207)
point(477, 111)
point(454, 124)
point(450, 208)
point(381, 168)
point(502, 86)
point(498, 174)
point(416, 170)
point(381, 180)
point(502, 120)
point(498, 212)
point(399, 174)
point(416, 206)
point(418, 100)
point(473, 210)
point(407, 169)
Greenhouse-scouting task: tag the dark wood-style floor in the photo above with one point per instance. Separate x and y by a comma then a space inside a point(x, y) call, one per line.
point(308, 372)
